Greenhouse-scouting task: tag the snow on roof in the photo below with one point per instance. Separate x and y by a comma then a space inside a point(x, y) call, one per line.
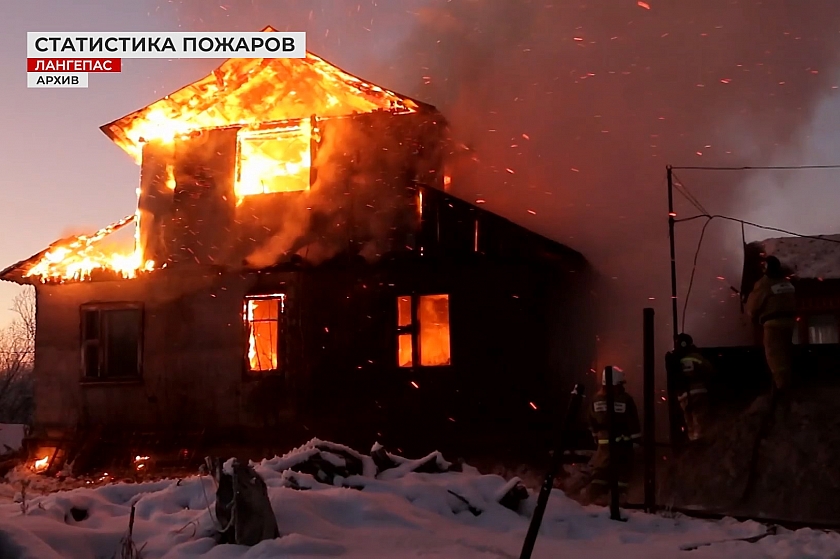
point(807, 257)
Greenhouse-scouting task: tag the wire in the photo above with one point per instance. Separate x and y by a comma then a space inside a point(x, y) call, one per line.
point(709, 219)
point(693, 270)
point(682, 189)
point(750, 168)
point(758, 226)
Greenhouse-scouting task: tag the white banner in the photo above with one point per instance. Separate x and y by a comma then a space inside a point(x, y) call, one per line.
point(56, 79)
point(258, 44)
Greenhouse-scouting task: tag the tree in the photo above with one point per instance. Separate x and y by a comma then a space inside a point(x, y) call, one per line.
point(17, 358)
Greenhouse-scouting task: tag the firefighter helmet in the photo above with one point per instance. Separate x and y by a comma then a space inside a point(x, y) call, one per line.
point(617, 376)
point(684, 341)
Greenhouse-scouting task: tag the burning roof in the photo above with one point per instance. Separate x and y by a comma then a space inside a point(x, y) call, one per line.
point(253, 91)
point(76, 258)
point(241, 92)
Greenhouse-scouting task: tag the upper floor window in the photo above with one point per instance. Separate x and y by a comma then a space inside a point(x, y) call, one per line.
point(275, 160)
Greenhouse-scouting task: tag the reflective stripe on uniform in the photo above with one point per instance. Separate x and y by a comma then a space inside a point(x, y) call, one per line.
point(619, 439)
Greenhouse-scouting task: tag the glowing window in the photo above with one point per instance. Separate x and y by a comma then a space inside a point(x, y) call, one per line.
point(275, 160)
point(423, 322)
point(264, 326)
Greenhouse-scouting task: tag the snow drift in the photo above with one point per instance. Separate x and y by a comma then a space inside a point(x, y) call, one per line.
point(397, 512)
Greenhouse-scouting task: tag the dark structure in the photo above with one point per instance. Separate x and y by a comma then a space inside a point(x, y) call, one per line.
point(348, 295)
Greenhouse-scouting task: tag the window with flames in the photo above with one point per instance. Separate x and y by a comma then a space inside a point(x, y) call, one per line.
point(423, 331)
point(264, 326)
point(273, 160)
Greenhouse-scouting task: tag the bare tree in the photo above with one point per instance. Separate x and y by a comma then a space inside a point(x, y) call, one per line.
point(17, 357)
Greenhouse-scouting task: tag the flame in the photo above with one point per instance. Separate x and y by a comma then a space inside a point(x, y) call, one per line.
point(273, 160)
point(76, 258)
point(262, 319)
point(41, 464)
point(248, 91)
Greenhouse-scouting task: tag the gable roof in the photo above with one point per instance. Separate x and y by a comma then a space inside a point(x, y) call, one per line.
point(250, 91)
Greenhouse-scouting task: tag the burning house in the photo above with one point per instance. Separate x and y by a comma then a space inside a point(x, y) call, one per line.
point(300, 267)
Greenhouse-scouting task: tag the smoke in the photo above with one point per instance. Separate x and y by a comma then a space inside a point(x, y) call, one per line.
point(575, 108)
point(358, 199)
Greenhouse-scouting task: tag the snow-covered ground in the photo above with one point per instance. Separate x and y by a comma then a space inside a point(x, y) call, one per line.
point(399, 514)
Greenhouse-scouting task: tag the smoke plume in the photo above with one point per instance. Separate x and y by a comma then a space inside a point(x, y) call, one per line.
point(574, 109)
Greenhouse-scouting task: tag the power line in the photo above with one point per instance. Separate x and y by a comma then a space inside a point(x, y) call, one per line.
point(758, 168)
point(758, 226)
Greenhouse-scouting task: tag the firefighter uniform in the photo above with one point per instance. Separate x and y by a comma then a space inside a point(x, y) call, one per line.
point(772, 304)
point(694, 401)
point(627, 432)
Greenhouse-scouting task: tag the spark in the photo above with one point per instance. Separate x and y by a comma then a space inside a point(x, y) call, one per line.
point(509, 170)
point(644, 5)
point(526, 136)
point(725, 80)
point(532, 212)
point(414, 384)
point(577, 38)
point(533, 405)
point(480, 201)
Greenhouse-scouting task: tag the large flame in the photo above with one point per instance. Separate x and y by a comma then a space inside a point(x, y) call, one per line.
point(78, 257)
point(272, 101)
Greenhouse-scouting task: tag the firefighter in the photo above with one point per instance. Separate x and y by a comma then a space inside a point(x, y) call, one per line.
point(772, 304)
point(627, 432)
point(694, 397)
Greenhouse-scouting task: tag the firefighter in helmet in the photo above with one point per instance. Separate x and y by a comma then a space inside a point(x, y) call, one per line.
point(694, 397)
point(627, 432)
point(772, 305)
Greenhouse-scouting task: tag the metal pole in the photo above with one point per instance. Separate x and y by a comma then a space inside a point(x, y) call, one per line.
point(650, 410)
point(674, 411)
point(554, 467)
point(612, 445)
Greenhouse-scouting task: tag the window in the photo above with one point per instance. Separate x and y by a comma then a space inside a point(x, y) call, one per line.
point(275, 160)
point(112, 336)
point(423, 330)
point(822, 329)
point(263, 314)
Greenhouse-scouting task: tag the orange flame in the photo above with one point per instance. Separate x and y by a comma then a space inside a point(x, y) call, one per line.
point(41, 464)
point(76, 258)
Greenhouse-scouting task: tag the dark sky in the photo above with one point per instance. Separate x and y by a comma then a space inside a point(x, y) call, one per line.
point(607, 92)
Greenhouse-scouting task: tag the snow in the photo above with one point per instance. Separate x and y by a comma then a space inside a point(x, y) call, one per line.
point(11, 437)
point(403, 515)
point(808, 257)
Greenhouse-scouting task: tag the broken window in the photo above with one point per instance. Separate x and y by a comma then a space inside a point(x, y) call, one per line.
point(423, 330)
point(263, 323)
point(112, 338)
point(822, 329)
point(275, 160)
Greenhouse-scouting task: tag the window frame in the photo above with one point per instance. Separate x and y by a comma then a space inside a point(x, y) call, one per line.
point(413, 328)
point(280, 370)
point(100, 341)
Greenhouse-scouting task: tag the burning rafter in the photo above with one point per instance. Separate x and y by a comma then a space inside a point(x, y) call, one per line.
point(75, 258)
point(251, 91)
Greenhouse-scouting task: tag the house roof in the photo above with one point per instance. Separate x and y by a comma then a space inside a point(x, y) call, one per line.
point(252, 91)
point(77, 253)
point(807, 257)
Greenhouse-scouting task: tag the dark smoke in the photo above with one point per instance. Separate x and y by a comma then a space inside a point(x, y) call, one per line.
point(607, 92)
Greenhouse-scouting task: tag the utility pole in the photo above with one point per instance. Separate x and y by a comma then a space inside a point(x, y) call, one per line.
point(673, 405)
